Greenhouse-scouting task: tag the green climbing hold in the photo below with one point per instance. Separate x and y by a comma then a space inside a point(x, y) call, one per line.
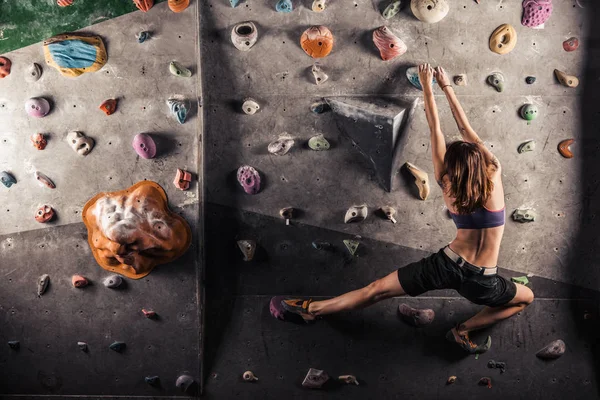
point(392, 9)
point(179, 70)
point(520, 279)
point(524, 215)
point(496, 80)
point(352, 246)
point(526, 146)
point(530, 80)
point(318, 143)
point(529, 112)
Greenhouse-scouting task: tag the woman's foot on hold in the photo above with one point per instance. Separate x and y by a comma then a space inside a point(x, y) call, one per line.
point(462, 340)
point(299, 307)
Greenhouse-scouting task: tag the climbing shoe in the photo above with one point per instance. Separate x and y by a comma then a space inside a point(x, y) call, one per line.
point(299, 307)
point(466, 344)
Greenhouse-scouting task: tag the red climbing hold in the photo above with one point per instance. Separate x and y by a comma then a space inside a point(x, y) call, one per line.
point(39, 141)
point(79, 281)
point(44, 214)
point(571, 44)
point(109, 106)
point(144, 5)
point(5, 64)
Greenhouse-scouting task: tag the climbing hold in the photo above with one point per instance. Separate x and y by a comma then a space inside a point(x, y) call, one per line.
point(320, 76)
point(321, 245)
point(179, 109)
point(142, 36)
point(390, 46)
point(119, 347)
point(497, 365)
point(234, 3)
point(150, 314)
point(112, 281)
point(414, 316)
point(184, 382)
point(108, 106)
point(389, 213)
point(356, 214)
point(33, 73)
point(287, 213)
point(7, 179)
point(249, 179)
point(564, 149)
point(319, 107)
point(250, 106)
point(571, 44)
point(178, 6)
point(79, 281)
point(244, 35)
point(83, 346)
point(248, 376)
point(317, 41)
point(430, 11)
point(318, 143)
point(42, 284)
point(144, 5)
point(44, 180)
point(73, 55)
point(523, 280)
point(524, 215)
point(392, 9)
point(182, 179)
point(318, 5)
point(179, 70)
point(421, 180)
point(248, 248)
point(152, 380)
point(352, 245)
point(529, 112)
point(284, 6)
point(144, 145)
point(530, 80)
point(39, 141)
point(503, 39)
point(526, 146)
point(37, 107)
point(486, 381)
point(451, 380)
point(14, 344)
point(348, 379)
point(5, 64)
point(64, 3)
point(412, 74)
point(566, 80)
point(315, 378)
point(80, 143)
point(460, 80)
point(552, 351)
point(282, 145)
point(536, 12)
point(44, 214)
point(496, 80)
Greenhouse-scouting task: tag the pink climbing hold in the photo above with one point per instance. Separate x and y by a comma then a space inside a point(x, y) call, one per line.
point(536, 12)
point(276, 308)
point(249, 179)
point(144, 145)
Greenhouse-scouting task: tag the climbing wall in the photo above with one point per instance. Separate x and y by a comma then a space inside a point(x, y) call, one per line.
point(276, 72)
point(48, 327)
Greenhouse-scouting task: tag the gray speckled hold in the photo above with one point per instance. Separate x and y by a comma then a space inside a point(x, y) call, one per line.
point(42, 284)
point(112, 281)
point(119, 347)
point(184, 382)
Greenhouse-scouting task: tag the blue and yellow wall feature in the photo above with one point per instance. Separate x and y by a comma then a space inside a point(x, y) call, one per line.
point(73, 54)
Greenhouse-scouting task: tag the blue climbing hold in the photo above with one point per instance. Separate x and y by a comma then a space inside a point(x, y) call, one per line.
point(152, 380)
point(142, 36)
point(117, 346)
point(7, 179)
point(412, 74)
point(234, 3)
point(285, 6)
point(179, 109)
point(73, 54)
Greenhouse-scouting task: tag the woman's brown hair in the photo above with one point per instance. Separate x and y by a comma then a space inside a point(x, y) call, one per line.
point(466, 165)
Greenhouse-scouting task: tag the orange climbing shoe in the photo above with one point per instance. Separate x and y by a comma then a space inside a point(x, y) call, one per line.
point(299, 307)
point(466, 344)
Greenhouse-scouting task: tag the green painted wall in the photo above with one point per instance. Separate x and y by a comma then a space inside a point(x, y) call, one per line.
point(25, 22)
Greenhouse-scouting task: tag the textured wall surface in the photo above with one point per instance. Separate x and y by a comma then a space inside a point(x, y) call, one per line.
point(49, 327)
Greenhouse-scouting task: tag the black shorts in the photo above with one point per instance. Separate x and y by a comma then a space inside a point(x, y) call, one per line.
point(438, 271)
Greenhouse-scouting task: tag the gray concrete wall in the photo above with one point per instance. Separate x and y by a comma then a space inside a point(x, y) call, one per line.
point(276, 72)
point(49, 327)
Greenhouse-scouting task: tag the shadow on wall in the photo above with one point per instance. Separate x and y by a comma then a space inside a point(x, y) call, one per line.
point(585, 258)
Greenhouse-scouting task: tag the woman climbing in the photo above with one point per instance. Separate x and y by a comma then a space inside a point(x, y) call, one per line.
point(471, 181)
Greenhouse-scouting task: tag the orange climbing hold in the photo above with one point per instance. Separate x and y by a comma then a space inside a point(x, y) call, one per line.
point(178, 5)
point(109, 106)
point(5, 64)
point(317, 41)
point(144, 5)
point(64, 3)
point(564, 149)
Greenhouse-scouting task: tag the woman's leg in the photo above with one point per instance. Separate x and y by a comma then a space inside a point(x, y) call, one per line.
point(491, 315)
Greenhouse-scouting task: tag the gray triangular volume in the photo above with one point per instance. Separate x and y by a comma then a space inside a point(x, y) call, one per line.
point(374, 127)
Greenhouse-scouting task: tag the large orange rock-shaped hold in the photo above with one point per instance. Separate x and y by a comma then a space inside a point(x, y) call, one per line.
point(503, 39)
point(317, 41)
point(389, 45)
point(132, 230)
point(144, 5)
point(178, 5)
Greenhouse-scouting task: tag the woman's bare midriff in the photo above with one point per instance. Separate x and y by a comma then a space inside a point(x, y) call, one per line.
point(479, 247)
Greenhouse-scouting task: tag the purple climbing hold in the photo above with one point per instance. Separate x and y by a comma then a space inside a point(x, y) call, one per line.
point(37, 107)
point(276, 308)
point(536, 12)
point(249, 179)
point(144, 145)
